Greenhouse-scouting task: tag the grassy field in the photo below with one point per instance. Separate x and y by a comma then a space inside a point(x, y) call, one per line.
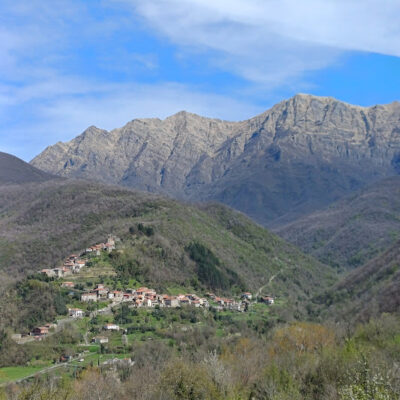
point(11, 374)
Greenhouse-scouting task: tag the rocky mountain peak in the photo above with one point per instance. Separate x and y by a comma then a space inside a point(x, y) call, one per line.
point(181, 114)
point(302, 153)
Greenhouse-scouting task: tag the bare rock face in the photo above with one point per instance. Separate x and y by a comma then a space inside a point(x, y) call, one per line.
point(294, 158)
point(148, 154)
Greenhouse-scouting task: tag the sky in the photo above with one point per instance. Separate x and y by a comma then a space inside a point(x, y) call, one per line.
point(69, 64)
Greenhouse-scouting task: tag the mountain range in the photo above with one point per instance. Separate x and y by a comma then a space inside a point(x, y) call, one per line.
point(299, 156)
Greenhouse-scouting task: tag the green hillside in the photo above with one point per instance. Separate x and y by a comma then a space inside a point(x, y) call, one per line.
point(353, 230)
point(367, 291)
point(43, 223)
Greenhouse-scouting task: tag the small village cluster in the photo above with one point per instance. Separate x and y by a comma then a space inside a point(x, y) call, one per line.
point(74, 263)
point(145, 297)
point(141, 297)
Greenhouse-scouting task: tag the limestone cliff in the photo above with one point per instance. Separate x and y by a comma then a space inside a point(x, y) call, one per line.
point(301, 154)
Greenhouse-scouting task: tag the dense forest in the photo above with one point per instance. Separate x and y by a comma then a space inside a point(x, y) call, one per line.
point(298, 360)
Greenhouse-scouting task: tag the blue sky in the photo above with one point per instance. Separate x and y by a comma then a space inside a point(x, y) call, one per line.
point(69, 64)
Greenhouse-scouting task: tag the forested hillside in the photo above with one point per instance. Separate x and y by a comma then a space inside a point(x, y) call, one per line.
point(366, 292)
point(352, 231)
point(42, 224)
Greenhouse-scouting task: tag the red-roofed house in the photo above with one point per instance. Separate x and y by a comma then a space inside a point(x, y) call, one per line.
point(40, 331)
point(268, 300)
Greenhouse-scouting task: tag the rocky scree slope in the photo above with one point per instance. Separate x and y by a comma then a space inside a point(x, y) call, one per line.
point(300, 155)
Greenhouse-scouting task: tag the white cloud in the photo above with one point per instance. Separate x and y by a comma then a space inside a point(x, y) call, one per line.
point(272, 41)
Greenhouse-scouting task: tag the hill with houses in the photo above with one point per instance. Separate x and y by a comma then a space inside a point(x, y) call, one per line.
point(166, 242)
point(109, 302)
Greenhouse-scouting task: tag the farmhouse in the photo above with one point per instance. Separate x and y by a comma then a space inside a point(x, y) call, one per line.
point(141, 291)
point(69, 265)
point(100, 339)
point(109, 247)
point(49, 272)
point(171, 301)
point(184, 300)
point(116, 294)
point(80, 263)
point(128, 297)
point(268, 300)
point(89, 296)
point(111, 327)
point(76, 313)
point(101, 291)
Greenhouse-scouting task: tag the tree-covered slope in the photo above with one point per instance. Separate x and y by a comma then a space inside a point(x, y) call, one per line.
point(13, 170)
point(42, 224)
point(351, 231)
point(367, 291)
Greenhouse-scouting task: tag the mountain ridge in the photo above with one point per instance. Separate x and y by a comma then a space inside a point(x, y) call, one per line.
point(300, 155)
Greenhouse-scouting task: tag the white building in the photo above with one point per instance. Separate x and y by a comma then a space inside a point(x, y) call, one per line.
point(100, 339)
point(76, 313)
point(111, 327)
point(89, 297)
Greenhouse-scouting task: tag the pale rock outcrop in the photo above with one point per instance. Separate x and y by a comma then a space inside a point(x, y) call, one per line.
point(300, 155)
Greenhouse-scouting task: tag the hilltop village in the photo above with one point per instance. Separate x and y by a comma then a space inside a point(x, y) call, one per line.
point(142, 297)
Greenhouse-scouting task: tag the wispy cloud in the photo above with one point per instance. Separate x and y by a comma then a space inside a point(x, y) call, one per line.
point(272, 42)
